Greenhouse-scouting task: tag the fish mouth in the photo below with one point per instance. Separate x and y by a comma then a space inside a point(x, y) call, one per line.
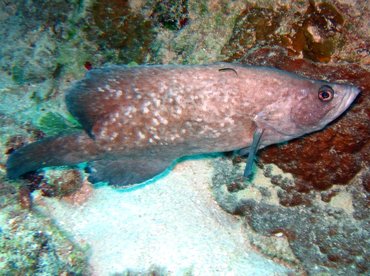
point(348, 99)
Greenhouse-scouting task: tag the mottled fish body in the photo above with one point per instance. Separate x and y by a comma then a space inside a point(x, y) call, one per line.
point(138, 120)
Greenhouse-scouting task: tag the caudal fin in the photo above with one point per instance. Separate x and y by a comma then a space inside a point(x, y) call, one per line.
point(52, 151)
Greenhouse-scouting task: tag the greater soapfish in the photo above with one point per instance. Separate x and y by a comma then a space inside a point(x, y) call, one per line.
point(137, 120)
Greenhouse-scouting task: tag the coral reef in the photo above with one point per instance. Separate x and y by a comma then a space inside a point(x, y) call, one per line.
point(316, 30)
point(119, 28)
point(31, 244)
point(61, 183)
point(312, 214)
point(35, 25)
point(170, 14)
point(7, 194)
point(25, 199)
point(323, 237)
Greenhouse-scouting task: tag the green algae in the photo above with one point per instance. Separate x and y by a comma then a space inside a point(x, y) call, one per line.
point(170, 14)
point(53, 123)
point(17, 72)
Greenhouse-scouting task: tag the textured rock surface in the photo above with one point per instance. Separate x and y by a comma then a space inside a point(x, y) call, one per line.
point(320, 31)
point(117, 27)
point(317, 235)
point(30, 244)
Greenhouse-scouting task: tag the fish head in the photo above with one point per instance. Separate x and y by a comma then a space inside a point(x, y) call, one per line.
point(305, 107)
point(320, 103)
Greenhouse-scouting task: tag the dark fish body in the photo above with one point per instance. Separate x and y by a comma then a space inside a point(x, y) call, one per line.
point(137, 120)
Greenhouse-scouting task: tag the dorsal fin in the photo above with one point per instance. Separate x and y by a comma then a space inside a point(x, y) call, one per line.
point(95, 96)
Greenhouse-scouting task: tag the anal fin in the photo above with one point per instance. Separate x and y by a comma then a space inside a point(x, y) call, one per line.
point(126, 171)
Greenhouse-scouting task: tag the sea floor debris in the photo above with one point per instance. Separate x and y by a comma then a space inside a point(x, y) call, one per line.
point(173, 223)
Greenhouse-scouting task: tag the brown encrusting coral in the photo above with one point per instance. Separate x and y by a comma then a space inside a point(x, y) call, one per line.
point(61, 183)
point(323, 233)
point(25, 199)
point(117, 27)
point(317, 31)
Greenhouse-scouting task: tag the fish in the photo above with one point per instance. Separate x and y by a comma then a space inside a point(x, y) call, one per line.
point(136, 121)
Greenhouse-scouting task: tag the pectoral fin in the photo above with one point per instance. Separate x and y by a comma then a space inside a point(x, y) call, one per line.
point(248, 172)
point(127, 171)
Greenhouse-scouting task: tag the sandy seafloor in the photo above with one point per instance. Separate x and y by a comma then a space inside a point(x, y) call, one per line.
point(172, 223)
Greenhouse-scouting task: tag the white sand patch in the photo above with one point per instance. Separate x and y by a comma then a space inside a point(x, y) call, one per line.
point(343, 200)
point(173, 223)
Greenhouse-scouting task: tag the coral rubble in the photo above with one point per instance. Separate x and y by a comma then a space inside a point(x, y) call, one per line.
point(321, 236)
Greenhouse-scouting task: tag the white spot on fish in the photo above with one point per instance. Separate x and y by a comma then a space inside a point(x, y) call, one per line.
point(178, 111)
point(113, 136)
point(141, 135)
point(103, 132)
point(157, 102)
point(155, 122)
point(229, 120)
point(163, 120)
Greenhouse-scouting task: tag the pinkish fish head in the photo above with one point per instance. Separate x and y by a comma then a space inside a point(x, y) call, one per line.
point(309, 108)
point(322, 104)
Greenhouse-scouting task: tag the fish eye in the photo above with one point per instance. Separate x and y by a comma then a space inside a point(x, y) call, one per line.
point(326, 93)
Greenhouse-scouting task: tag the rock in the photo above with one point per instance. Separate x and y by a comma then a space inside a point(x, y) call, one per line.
point(323, 235)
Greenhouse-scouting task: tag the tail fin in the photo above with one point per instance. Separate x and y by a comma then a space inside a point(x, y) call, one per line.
point(59, 150)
